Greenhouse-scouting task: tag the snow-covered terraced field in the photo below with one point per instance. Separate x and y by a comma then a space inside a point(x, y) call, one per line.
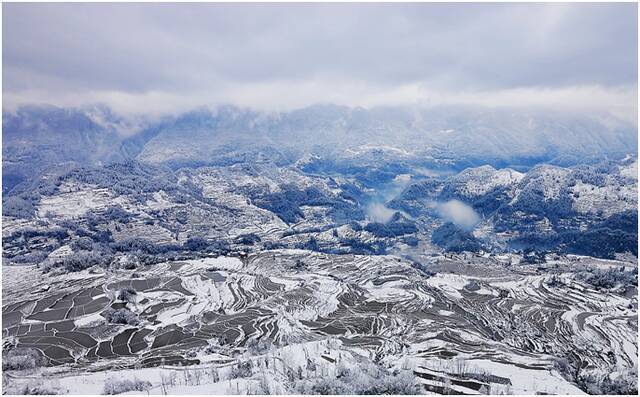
point(476, 326)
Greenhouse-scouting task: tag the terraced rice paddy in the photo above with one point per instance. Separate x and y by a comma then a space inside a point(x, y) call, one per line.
point(507, 321)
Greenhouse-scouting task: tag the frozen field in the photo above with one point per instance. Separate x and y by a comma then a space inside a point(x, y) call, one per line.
point(476, 326)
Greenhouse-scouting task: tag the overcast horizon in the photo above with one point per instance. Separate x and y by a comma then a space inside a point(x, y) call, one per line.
point(166, 58)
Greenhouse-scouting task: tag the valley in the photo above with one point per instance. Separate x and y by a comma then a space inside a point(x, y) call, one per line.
point(319, 198)
point(369, 269)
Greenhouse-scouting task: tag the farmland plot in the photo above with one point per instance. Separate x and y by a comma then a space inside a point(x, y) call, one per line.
point(476, 325)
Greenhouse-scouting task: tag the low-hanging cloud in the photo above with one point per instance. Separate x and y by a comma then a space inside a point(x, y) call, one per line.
point(285, 56)
point(378, 212)
point(459, 213)
point(395, 187)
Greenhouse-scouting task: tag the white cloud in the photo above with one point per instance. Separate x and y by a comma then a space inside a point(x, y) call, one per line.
point(160, 58)
point(459, 213)
point(379, 213)
point(288, 95)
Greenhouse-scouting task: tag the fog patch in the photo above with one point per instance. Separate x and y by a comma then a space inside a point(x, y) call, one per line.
point(459, 213)
point(402, 179)
point(433, 173)
point(378, 212)
point(394, 188)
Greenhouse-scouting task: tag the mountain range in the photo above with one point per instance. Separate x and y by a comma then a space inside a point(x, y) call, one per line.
point(440, 138)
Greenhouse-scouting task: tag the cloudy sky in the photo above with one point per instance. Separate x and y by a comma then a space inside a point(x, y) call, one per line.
point(154, 58)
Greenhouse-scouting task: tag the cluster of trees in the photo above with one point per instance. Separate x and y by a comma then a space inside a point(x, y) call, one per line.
point(351, 192)
point(273, 245)
point(18, 207)
point(531, 200)
point(625, 382)
point(121, 316)
point(411, 241)
point(192, 244)
point(89, 252)
point(127, 295)
point(311, 244)
point(362, 379)
point(372, 175)
point(350, 245)
point(626, 221)
point(78, 261)
point(532, 241)
point(616, 234)
point(30, 245)
point(28, 233)
point(292, 232)
point(287, 202)
point(196, 243)
point(259, 346)
point(596, 174)
point(346, 245)
point(397, 226)
point(129, 177)
point(21, 358)
point(119, 386)
point(599, 242)
point(21, 201)
point(391, 228)
point(114, 213)
point(492, 201)
point(93, 232)
point(241, 370)
point(604, 239)
point(359, 247)
point(533, 257)
point(33, 256)
point(247, 239)
point(136, 244)
point(610, 278)
point(454, 239)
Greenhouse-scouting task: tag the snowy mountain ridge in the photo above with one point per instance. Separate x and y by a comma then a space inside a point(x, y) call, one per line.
point(457, 137)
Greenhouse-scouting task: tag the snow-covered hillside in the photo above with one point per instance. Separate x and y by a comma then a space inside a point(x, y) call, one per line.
point(294, 321)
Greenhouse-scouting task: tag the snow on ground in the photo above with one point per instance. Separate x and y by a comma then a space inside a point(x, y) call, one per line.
point(528, 381)
point(341, 309)
point(481, 180)
point(630, 171)
point(221, 262)
point(78, 200)
point(394, 291)
point(160, 201)
point(450, 284)
point(207, 379)
point(609, 199)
